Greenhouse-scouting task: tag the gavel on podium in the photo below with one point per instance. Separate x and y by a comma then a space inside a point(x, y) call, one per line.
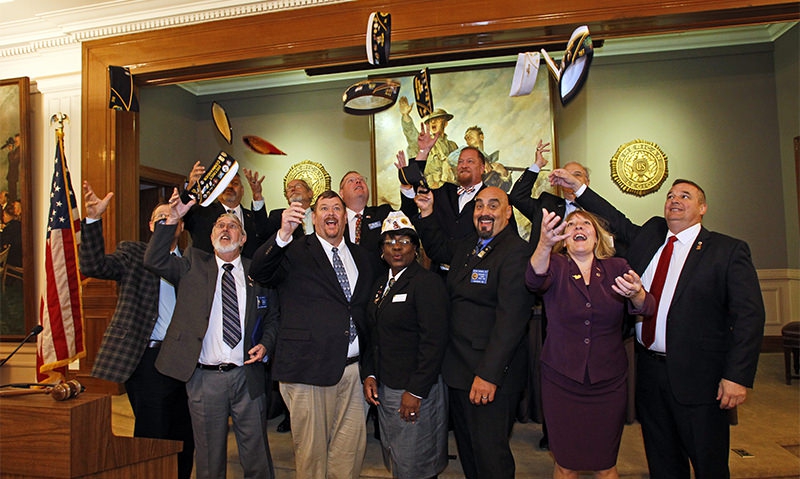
point(60, 391)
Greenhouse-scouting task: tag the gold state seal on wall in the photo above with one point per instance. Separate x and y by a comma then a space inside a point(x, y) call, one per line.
point(639, 167)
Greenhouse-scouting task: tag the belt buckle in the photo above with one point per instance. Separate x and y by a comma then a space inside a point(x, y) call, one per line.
point(222, 367)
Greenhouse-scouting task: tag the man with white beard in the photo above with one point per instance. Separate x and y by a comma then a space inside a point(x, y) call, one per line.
point(222, 332)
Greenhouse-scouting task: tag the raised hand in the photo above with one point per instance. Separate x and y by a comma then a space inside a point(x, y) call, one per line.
point(95, 207)
point(562, 177)
point(404, 106)
point(291, 218)
point(552, 232)
point(177, 208)
point(425, 141)
point(540, 149)
point(197, 172)
point(255, 183)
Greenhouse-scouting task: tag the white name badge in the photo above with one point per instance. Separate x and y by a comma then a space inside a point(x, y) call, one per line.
point(399, 298)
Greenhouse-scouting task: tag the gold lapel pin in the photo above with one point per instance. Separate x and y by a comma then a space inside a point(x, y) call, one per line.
point(576, 276)
point(699, 245)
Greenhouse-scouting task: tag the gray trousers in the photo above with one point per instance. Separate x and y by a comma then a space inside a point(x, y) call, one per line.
point(215, 396)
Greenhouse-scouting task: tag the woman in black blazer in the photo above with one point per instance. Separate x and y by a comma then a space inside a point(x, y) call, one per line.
point(407, 323)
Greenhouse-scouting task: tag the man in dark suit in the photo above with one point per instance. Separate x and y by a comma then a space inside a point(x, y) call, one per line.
point(133, 338)
point(363, 222)
point(324, 285)
point(299, 191)
point(485, 364)
point(700, 357)
point(531, 208)
point(200, 220)
point(222, 331)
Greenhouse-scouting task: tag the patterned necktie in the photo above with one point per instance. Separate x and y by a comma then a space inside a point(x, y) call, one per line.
point(358, 228)
point(461, 189)
point(341, 275)
point(660, 277)
point(231, 330)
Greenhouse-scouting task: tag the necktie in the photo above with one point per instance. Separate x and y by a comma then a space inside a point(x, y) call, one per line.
point(649, 323)
point(468, 189)
point(341, 275)
point(231, 330)
point(358, 228)
point(388, 287)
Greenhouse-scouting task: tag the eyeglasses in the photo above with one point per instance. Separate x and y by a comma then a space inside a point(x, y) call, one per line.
point(392, 242)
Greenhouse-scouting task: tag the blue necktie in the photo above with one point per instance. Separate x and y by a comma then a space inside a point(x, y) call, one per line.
point(231, 330)
point(341, 275)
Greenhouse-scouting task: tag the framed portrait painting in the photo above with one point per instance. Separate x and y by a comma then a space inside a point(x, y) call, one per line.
point(15, 203)
point(478, 111)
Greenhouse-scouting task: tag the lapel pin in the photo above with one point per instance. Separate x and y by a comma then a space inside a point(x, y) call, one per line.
point(576, 276)
point(699, 245)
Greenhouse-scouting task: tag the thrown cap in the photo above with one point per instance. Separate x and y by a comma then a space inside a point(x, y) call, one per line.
point(370, 96)
point(121, 95)
point(379, 31)
point(574, 69)
point(422, 93)
point(525, 73)
point(396, 221)
point(222, 122)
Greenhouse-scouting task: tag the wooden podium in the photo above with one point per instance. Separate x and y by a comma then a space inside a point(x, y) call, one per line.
point(40, 437)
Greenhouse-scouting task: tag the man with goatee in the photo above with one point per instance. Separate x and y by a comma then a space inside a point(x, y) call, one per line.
point(485, 364)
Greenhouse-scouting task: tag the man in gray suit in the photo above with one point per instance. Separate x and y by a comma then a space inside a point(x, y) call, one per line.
point(222, 331)
point(133, 339)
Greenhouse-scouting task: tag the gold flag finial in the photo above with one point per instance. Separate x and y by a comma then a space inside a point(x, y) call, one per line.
point(59, 118)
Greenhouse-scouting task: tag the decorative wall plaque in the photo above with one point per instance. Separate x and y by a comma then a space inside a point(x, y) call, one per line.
point(313, 173)
point(639, 167)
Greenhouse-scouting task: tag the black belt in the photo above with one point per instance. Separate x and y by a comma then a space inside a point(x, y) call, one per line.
point(658, 356)
point(224, 367)
point(351, 360)
point(154, 343)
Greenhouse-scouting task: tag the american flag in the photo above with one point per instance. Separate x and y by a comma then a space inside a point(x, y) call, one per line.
point(61, 310)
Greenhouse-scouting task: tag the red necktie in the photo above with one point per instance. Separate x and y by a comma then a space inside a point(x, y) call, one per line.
point(649, 324)
point(358, 228)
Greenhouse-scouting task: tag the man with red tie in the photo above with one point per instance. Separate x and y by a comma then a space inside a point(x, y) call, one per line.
point(698, 355)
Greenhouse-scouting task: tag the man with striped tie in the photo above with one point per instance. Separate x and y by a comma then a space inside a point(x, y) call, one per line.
point(222, 331)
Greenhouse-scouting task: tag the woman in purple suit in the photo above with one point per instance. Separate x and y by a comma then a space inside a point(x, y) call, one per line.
point(584, 366)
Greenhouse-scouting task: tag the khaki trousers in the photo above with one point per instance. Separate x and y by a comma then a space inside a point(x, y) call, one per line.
point(328, 427)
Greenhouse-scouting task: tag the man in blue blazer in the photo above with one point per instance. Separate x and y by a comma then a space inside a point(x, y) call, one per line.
point(217, 342)
point(707, 335)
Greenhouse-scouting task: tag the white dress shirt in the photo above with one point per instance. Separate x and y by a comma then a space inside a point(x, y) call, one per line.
point(214, 350)
point(683, 245)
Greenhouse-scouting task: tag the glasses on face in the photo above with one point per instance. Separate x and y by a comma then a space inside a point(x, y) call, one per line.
point(402, 241)
point(226, 226)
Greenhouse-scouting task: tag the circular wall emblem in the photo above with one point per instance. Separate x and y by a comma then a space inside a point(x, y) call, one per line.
point(313, 173)
point(639, 167)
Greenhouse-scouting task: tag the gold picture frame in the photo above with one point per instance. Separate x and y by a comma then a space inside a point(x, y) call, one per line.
point(17, 303)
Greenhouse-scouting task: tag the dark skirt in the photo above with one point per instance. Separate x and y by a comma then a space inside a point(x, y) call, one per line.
point(584, 421)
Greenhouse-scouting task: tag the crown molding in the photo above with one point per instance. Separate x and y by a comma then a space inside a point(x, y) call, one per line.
point(72, 26)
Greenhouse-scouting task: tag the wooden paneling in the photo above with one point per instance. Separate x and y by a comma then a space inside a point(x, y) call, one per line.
point(44, 438)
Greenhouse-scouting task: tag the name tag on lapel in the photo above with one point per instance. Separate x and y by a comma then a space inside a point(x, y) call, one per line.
point(479, 276)
point(399, 298)
point(262, 302)
point(373, 225)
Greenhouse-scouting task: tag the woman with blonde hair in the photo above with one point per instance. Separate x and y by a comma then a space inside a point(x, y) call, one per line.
point(586, 291)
